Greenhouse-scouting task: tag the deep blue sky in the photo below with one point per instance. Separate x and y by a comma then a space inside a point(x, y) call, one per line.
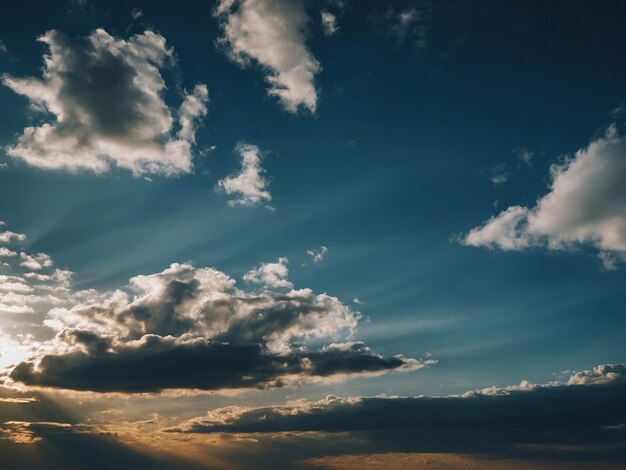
point(394, 165)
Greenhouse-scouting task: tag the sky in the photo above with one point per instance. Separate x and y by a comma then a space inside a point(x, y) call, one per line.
point(302, 234)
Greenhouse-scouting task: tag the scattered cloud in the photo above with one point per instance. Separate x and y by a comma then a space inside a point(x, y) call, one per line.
point(104, 94)
point(272, 33)
point(3, 48)
point(318, 255)
point(411, 25)
point(329, 23)
point(272, 275)
point(136, 13)
point(248, 186)
point(499, 174)
point(526, 156)
point(586, 205)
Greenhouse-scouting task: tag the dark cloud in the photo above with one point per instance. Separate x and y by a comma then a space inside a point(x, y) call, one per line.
point(585, 416)
point(155, 363)
point(189, 328)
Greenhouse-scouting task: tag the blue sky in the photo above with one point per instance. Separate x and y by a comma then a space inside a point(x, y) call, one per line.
point(423, 128)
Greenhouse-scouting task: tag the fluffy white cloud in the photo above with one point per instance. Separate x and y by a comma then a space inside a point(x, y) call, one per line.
point(105, 95)
point(249, 186)
point(8, 236)
point(6, 252)
point(329, 23)
point(35, 262)
point(270, 274)
point(272, 33)
point(586, 205)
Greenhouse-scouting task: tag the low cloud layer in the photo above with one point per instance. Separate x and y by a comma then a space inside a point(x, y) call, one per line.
point(586, 206)
point(192, 328)
point(585, 414)
point(105, 97)
point(272, 33)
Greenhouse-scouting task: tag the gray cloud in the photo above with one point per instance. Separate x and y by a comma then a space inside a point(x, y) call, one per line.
point(583, 417)
point(104, 94)
point(193, 328)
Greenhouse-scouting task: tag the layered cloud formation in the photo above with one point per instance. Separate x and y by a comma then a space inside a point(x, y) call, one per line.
point(584, 415)
point(105, 98)
point(586, 205)
point(185, 328)
point(272, 33)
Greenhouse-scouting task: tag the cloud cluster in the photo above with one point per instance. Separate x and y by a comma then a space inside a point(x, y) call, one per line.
point(105, 96)
point(272, 33)
point(577, 415)
point(192, 328)
point(586, 205)
point(249, 187)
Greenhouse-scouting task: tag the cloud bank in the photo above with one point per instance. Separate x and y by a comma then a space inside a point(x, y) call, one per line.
point(192, 328)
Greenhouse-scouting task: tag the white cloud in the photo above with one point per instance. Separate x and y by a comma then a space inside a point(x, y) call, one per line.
point(3, 48)
point(272, 33)
point(318, 255)
point(249, 186)
point(329, 23)
point(35, 262)
point(586, 205)
point(270, 274)
point(8, 236)
point(6, 252)
point(105, 95)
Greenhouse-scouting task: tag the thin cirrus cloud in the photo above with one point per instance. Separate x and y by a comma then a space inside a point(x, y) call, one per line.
point(272, 33)
point(583, 416)
point(586, 206)
point(192, 328)
point(248, 187)
point(104, 94)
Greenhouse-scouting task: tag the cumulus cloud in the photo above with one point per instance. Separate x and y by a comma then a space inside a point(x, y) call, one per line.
point(586, 205)
point(272, 33)
point(8, 236)
point(249, 187)
point(572, 414)
point(192, 328)
point(105, 96)
point(318, 255)
point(35, 262)
point(329, 23)
point(270, 274)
